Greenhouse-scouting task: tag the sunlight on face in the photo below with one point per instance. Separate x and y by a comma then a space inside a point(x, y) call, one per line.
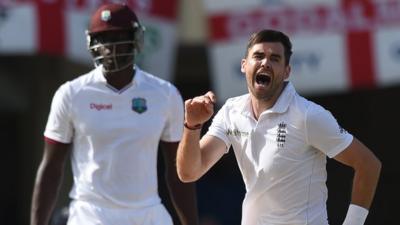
point(265, 70)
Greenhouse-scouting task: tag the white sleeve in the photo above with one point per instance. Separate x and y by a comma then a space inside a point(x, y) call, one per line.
point(218, 126)
point(59, 125)
point(324, 132)
point(173, 128)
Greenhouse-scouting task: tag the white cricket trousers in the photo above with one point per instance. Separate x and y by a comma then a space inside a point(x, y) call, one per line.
point(84, 213)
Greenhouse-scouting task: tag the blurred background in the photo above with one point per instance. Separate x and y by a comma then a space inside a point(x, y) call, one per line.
point(346, 58)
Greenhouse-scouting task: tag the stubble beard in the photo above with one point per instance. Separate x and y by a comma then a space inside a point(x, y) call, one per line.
point(264, 95)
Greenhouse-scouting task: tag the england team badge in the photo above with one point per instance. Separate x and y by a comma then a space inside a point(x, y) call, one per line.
point(139, 105)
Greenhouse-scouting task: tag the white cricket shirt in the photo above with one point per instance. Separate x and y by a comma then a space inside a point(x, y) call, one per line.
point(282, 157)
point(115, 135)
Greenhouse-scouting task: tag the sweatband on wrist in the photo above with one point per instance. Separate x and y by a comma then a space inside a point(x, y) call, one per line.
point(195, 127)
point(356, 215)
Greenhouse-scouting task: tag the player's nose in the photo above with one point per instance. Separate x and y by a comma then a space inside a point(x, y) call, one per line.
point(265, 63)
point(106, 50)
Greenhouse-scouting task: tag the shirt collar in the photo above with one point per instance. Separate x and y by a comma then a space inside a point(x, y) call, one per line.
point(280, 106)
point(283, 102)
point(137, 79)
point(246, 106)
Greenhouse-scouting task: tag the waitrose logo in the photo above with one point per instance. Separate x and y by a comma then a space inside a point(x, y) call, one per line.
point(237, 133)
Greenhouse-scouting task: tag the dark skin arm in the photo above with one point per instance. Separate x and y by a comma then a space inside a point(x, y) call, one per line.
point(183, 195)
point(48, 181)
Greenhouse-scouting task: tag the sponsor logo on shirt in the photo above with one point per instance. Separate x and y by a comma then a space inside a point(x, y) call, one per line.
point(100, 107)
point(237, 133)
point(281, 135)
point(139, 105)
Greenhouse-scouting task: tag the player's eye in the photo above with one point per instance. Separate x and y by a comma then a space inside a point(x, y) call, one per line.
point(96, 40)
point(275, 59)
point(258, 56)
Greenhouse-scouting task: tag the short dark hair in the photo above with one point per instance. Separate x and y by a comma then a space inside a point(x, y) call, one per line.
point(271, 36)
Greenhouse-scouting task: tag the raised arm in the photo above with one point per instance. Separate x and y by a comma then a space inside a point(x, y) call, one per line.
point(366, 175)
point(195, 157)
point(48, 180)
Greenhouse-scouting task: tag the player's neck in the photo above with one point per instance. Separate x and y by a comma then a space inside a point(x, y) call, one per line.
point(261, 105)
point(120, 79)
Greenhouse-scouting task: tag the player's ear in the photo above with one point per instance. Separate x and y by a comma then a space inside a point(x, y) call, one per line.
point(288, 69)
point(243, 65)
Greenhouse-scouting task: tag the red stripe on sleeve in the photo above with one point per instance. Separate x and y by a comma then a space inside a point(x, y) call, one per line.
point(54, 142)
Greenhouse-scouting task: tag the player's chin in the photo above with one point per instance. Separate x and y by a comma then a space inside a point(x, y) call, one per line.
point(109, 67)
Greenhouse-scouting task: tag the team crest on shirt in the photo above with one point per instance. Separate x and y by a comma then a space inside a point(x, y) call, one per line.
point(139, 105)
point(281, 136)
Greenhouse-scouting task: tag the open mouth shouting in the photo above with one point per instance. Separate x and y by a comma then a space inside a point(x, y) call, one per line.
point(263, 79)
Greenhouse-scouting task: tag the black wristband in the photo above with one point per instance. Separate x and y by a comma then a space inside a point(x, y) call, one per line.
point(196, 127)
